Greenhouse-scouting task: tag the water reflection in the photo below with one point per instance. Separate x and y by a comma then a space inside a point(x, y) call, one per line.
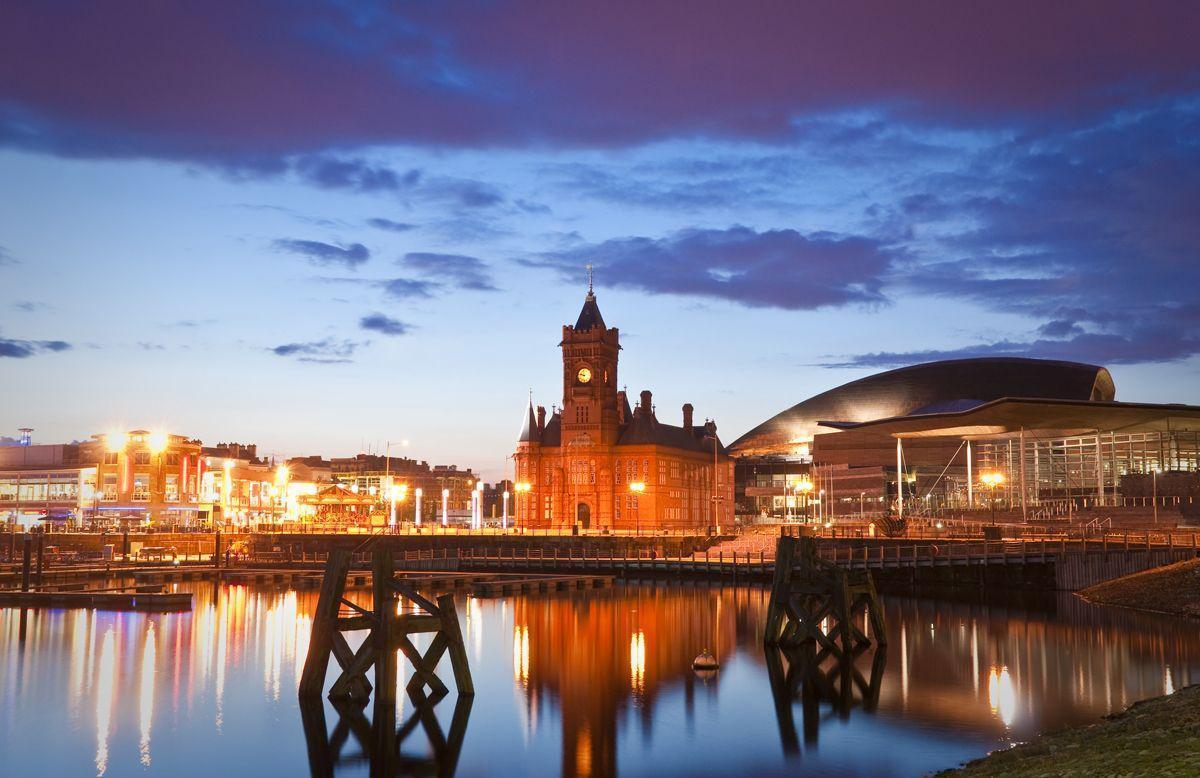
point(817, 679)
point(382, 745)
point(585, 683)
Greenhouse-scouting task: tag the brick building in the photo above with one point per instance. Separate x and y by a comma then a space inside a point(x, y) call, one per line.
point(599, 464)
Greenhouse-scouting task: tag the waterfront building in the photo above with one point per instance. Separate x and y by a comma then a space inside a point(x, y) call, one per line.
point(597, 463)
point(55, 482)
point(394, 481)
point(1051, 430)
point(147, 477)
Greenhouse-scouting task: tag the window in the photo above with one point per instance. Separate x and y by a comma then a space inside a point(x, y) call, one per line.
point(172, 488)
point(110, 458)
point(110, 487)
point(141, 487)
point(141, 458)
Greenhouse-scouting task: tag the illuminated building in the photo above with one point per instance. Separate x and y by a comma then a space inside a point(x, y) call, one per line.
point(1053, 429)
point(385, 478)
point(149, 477)
point(599, 464)
point(47, 482)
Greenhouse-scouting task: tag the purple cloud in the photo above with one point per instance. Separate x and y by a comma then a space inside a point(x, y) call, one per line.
point(320, 253)
point(23, 349)
point(770, 269)
point(456, 269)
point(408, 288)
point(257, 81)
point(378, 322)
point(326, 351)
point(390, 226)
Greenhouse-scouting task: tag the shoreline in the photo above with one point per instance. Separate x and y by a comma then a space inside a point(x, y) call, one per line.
point(1171, 590)
point(1156, 736)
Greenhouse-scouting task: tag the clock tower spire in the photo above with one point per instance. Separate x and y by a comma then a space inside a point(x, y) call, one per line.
point(590, 351)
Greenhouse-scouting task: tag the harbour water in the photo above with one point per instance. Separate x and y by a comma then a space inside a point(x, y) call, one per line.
point(594, 683)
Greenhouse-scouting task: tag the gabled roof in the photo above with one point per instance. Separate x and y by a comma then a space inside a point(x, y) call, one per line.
point(589, 316)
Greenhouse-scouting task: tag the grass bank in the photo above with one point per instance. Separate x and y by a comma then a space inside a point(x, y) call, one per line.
point(1159, 737)
point(1169, 589)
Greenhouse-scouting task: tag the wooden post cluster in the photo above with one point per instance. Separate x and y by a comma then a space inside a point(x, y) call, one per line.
point(808, 590)
point(389, 632)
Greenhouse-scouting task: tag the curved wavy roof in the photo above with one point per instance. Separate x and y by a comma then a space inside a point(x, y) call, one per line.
point(951, 384)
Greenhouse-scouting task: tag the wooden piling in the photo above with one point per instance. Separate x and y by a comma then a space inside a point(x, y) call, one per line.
point(807, 590)
point(41, 559)
point(27, 548)
point(389, 632)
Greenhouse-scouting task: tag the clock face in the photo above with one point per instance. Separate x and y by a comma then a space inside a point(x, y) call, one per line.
point(584, 375)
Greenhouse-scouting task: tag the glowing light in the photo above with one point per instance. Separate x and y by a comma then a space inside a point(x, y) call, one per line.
point(637, 487)
point(1002, 695)
point(522, 486)
point(992, 478)
point(116, 441)
point(106, 681)
point(157, 441)
point(146, 694)
point(521, 654)
point(637, 661)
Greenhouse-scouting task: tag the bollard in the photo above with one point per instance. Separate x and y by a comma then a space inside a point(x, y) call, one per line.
point(217, 549)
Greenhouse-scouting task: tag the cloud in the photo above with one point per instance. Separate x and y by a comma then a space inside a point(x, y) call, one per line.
point(1092, 348)
point(191, 323)
point(391, 226)
point(22, 349)
point(378, 322)
point(327, 351)
point(769, 269)
point(265, 80)
point(1089, 232)
point(330, 172)
point(30, 306)
point(6, 258)
point(458, 270)
point(407, 288)
point(319, 253)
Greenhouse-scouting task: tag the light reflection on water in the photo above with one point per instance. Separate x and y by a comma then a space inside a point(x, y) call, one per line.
point(577, 684)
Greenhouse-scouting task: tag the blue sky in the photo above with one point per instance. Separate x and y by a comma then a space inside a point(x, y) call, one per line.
point(320, 226)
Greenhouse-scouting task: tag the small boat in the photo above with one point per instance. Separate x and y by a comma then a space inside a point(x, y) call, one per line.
point(705, 661)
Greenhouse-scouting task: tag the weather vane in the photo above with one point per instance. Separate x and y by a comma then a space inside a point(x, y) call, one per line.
point(589, 272)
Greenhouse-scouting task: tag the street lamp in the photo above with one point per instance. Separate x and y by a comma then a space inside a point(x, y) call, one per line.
point(417, 505)
point(991, 479)
point(504, 520)
point(445, 507)
point(523, 487)
point(636, 488)
point(804, 487)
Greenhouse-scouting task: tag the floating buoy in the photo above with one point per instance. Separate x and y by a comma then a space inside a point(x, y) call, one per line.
point(705, 661)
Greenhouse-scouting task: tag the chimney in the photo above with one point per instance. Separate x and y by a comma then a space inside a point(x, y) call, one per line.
point(541, 416)
point(687, 416)
point(621, 407)
point(645, 403)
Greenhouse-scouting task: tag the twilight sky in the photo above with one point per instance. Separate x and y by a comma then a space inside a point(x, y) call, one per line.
point(322, 226)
